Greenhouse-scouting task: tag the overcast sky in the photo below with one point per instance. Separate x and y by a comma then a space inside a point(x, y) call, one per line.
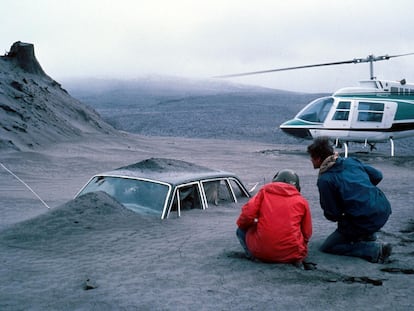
point(132, 38)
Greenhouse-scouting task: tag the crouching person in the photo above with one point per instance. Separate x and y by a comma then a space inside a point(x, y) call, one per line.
point(275, 225)
point(350, 197)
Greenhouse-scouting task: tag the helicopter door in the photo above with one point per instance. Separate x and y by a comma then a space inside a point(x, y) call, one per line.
point(372, 114)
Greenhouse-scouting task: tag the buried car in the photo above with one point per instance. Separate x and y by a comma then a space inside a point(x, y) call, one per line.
point(165, 187)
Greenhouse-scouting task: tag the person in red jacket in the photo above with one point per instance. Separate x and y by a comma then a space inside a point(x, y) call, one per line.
point(275, 225)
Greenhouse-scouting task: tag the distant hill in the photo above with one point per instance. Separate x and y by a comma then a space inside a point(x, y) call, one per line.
point(34, 109)
point(170, 106)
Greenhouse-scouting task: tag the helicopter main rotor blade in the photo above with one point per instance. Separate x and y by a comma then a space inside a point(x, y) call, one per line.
point(399, 55)
point(370, 58)
point(283, 69)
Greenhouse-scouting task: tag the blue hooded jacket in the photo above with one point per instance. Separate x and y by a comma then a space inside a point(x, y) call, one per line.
point(349, 196)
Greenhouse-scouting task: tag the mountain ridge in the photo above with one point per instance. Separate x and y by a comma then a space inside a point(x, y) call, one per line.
point(204, 108)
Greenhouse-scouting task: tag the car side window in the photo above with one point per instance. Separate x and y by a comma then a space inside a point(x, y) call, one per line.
point(189, 197)
point(186, 197)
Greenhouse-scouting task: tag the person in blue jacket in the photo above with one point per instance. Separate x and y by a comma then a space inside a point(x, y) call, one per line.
point(349, 195)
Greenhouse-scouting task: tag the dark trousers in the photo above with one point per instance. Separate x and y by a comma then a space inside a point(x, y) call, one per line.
point(241, 235)
point(364, 247)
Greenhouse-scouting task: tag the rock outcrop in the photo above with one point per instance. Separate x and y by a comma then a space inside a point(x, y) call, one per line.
point(22, 54)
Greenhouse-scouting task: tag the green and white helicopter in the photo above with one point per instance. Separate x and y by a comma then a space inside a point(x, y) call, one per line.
point(376, 111)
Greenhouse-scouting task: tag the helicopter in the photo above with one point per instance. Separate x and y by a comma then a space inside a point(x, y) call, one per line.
point(376, 111)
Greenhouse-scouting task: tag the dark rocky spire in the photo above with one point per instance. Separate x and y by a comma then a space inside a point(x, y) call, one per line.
point(22, 54)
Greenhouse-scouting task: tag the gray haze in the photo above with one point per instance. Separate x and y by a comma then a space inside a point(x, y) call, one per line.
point(128, 39)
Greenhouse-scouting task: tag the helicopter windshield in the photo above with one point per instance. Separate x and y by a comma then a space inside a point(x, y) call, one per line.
point(317, 110)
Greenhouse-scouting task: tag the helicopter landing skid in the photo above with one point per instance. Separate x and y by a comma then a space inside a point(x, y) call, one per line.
point(344, 144)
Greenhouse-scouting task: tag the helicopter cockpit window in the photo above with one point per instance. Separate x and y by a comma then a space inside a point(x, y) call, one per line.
point(317, 110)
point(342, 111)
point(370, 112)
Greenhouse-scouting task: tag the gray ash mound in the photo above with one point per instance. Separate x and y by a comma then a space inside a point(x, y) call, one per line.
point(91, 213)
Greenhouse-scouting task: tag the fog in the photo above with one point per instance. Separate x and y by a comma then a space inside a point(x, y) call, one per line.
point(127, 39)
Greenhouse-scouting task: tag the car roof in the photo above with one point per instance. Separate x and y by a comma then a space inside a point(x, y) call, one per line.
point(170, 171)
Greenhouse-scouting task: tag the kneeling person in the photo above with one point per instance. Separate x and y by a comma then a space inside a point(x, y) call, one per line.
point(350, 197)
point(275, 225)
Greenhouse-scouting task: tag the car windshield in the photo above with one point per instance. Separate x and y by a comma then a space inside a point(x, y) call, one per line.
point(141, 196)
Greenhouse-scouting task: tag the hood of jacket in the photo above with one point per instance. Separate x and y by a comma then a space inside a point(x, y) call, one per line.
point(281, 188)
point(330, 162)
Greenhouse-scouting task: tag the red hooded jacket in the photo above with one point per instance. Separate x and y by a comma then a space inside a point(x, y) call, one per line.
point(278, 223)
